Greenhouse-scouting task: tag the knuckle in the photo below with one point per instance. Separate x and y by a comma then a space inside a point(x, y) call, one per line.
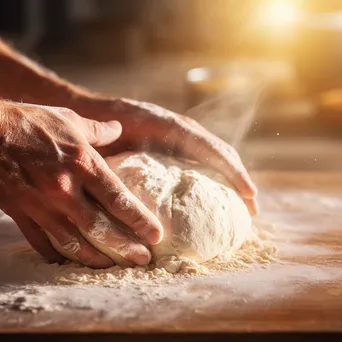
point(95, 128)
point(72, 152)
point(83, 219)
point(60, 184)
point(67, 112)
point(83, 160)
point(137, 219)
point(98, 231)
point(98, 227)
point(124, 248)
point(119, 202)
point(64, 238)
point(81, 153)
point(72, 246)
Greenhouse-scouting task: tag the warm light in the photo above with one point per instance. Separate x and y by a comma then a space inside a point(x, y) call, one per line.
point(279, 15)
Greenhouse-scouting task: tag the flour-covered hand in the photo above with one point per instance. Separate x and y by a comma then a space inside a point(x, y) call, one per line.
point(149, 127)
point(57, 188)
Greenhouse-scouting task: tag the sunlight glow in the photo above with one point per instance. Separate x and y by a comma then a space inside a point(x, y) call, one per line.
point(280, 15)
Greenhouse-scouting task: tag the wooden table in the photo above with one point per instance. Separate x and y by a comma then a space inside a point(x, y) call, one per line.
point(301, 292)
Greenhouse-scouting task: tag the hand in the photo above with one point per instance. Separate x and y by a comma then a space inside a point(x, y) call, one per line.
point(52, 181)
point(149, 127)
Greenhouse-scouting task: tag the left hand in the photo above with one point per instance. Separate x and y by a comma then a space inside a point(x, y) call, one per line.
point(146, 126)
point(53, 183)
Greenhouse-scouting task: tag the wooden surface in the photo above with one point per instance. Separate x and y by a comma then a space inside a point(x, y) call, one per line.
point(301, 292)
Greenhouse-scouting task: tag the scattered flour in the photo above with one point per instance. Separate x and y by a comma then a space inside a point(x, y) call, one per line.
point(201, 213)
point(33, 285)
point(25, 265)
point(235, 286)
point(207, 230)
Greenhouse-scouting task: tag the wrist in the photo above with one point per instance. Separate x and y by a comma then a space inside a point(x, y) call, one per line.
point(97, 107)
point(56, 92)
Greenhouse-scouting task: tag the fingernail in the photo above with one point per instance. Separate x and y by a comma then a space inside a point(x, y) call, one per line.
point(153, 236)
point(143, 258)
point(114, 125)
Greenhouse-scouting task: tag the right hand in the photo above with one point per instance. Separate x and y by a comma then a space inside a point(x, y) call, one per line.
point(53, 181)
point(149, 127)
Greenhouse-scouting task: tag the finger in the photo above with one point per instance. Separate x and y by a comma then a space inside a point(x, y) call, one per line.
point(251, 203)
point(65, 237)
point(194, 123)
point(107, 235)
point(246, 186)
point(36, 237)
point(215, 153)
point(108, 190)
point(224, 161)
point(97, 133)
point(203, 130)
point(252, 206)
point(243, 181)
point(101, 133)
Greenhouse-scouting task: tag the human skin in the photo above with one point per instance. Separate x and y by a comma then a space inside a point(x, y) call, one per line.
point(51, 177)
point(142, 126)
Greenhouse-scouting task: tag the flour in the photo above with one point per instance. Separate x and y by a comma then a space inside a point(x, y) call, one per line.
point(136, 299)
point(200, 212)
point(38, 281)
point(207, 229)
point(25, 265)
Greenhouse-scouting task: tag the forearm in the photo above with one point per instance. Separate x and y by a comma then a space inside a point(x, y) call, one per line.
point(23, 80)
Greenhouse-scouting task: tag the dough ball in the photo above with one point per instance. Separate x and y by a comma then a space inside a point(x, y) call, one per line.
point(201, 214)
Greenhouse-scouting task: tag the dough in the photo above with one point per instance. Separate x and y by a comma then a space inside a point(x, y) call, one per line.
point(201, 214)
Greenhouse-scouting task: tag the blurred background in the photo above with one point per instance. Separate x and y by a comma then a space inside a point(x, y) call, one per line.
point(265, 75)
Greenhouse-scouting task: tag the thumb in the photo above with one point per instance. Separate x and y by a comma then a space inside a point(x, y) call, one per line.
point(101, 133)
point(96, 133)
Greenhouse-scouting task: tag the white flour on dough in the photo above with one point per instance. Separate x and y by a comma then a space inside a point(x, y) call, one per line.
point(200, 212)
point(23, 265)
point(207, 227)
point(301, 218)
